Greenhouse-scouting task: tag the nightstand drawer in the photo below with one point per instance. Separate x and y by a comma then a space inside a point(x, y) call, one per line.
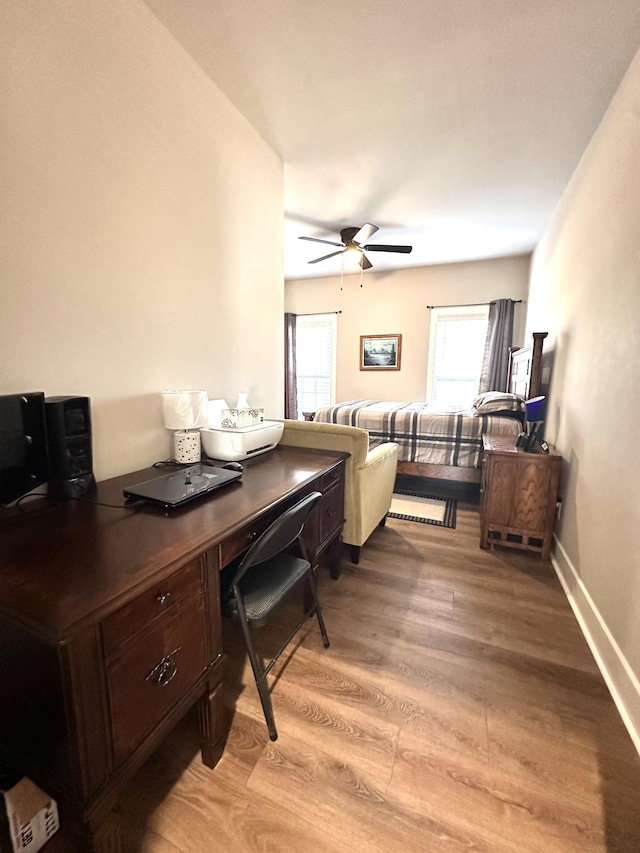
point(154, 674)
point(158, 601)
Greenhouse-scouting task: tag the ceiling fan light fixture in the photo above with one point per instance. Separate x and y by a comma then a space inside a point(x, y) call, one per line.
point(353, 240)
point(351, 259)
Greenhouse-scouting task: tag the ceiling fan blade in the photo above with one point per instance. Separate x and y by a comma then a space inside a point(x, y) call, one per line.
point(324, 257)
point(380, 247)
point(364, 233)
point(318, 240)
point(364, 262)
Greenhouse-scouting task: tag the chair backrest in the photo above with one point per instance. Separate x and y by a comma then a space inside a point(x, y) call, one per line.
point(279, 535)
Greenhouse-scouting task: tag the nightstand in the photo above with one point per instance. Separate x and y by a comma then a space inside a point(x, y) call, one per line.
point(518, 496)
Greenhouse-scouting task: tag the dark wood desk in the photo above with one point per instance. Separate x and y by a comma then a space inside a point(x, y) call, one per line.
point(110, 626)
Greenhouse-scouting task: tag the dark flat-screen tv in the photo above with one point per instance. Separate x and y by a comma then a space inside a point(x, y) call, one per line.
point(23, 445)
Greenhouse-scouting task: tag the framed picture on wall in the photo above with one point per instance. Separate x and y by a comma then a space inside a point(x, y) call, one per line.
point(380, 352)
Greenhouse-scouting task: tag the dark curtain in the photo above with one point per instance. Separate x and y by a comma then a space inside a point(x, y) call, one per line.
point(290, 383)
point(495, 364)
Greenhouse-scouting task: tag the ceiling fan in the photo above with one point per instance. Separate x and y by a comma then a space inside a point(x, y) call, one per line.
point(354, 239)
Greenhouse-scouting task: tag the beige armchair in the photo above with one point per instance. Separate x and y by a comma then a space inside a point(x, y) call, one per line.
point(370, 474)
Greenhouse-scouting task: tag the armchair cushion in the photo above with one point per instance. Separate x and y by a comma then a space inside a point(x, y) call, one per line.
point(370, 473)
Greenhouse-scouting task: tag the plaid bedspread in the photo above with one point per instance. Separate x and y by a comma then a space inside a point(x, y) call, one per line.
point(423, 432)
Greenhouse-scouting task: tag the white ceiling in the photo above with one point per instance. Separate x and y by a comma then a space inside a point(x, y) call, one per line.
point(454, 125)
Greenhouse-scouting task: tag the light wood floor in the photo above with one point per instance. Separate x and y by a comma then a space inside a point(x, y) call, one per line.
point(458, 709)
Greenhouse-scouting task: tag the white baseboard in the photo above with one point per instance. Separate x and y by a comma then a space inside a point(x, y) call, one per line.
point(622, 682)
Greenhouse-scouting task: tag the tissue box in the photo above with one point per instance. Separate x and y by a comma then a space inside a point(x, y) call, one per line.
point(240, 418)
point(32, 817)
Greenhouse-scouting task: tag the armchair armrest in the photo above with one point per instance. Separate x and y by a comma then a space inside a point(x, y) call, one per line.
point(374, 483)
point(379, 455)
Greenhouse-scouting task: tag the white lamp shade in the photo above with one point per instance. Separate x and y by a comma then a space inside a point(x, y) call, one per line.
point(184, 409)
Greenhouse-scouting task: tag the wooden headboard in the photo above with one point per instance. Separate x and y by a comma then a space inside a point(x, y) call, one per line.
point(525, 368)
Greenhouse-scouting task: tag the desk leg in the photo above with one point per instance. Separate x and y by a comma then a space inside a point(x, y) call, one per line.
point(335, 556)
point(106, 838)
point(99, 833)
point(211, 725)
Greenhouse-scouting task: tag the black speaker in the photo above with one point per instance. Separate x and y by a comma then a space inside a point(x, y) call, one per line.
point(70, 447)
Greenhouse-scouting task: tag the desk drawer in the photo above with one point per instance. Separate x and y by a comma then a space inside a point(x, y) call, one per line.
point(331, 511)
point(162, 599)
point(154, 674)
point(240, 541)
point(330, 478)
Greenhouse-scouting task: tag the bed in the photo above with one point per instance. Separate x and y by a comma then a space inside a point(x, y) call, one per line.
point(447, 444)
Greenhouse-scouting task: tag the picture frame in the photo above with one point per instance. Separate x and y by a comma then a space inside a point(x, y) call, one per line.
point(380, 352)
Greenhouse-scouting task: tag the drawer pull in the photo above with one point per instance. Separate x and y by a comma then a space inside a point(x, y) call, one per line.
point(163, 597)
point(164, 672)
point(251, 537)
point(331, 512)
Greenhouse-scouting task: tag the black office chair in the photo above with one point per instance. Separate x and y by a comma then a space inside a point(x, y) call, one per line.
point(274, 565)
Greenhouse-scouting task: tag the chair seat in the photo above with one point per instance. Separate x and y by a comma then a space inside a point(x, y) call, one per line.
point(264, 587)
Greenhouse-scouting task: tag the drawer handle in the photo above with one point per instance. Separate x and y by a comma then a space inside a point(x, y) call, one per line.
point(163, 597)
point(164, 672)
point(331, 511)
point(251, 537)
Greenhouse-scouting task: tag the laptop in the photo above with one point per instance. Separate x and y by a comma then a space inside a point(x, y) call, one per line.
point(181, 486)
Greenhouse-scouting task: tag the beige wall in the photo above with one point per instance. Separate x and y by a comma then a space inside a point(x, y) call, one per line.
point(585, 289)
point(129, 186)
point(395, 303)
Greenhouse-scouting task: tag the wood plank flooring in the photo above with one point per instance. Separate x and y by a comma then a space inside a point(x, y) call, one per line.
point(457, 709)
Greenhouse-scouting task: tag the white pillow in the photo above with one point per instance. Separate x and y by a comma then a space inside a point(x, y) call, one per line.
point(498, 401)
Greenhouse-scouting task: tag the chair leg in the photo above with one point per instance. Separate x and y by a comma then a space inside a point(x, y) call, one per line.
point(318, 609)
point(323, 630)
point(259, 675)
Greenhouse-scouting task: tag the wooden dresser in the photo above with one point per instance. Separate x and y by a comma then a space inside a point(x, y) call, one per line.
point(518, 496)
point(110, 625)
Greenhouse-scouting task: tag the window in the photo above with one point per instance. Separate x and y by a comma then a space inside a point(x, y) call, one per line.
point(316, 336)
point(456, 349)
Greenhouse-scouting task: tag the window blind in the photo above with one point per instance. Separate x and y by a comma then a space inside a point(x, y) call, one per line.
point(456, 348)
point(315, 360)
